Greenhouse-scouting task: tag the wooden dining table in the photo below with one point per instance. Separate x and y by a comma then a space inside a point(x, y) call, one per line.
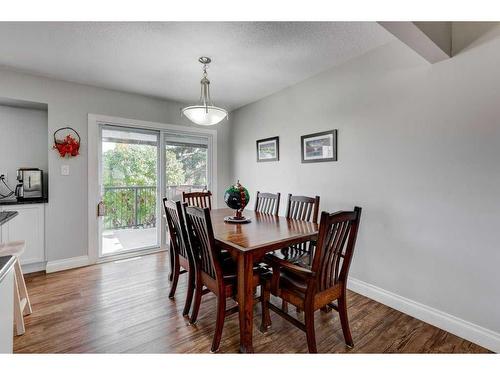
point(248, 243)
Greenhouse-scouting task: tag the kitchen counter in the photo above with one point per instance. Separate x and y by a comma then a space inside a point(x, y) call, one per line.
point(13, 201)
point(6, 263)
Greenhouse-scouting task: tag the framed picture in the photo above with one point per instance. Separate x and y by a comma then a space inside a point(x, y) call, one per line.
point(268, 149)
point(319, 147)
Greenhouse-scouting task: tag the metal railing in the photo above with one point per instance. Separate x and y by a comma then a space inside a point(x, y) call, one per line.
point(135, 206)
point(130, 207)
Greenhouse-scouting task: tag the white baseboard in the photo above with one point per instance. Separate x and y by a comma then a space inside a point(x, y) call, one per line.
point(66, 264)
point(467, 330)
point(33, 267)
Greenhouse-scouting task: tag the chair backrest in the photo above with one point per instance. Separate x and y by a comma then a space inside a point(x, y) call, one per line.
point(302, 208)
point(177, 228)
point(267, 203)
point(333, 254)
point(201, 237)
point(202, 199)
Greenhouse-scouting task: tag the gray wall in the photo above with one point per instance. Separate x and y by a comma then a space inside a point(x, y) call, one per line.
point(23, 141)
point(419, 150)
point(69, 105)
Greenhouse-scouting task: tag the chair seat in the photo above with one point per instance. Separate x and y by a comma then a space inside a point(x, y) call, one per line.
point(292, 282)
point(14, 248)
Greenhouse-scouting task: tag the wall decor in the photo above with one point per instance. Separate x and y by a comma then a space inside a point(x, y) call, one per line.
point(319, 147)
point(268, 149)
point(67, 142)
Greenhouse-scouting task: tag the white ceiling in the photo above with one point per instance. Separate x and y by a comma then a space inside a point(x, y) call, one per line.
point(250, 59)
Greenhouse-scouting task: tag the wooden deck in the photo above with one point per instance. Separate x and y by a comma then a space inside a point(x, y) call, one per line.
point(123, 307)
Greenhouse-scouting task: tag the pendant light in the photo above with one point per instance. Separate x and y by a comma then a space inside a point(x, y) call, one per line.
point(205, 113)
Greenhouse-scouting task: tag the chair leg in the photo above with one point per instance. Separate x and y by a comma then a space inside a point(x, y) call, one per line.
point(18, 310)
point(310, 334)
point(196, 302)
point(284, 306)
point(175, 278)
point(265, 295)
point(171, 258)
point(344, 321)
point(189, 295)
point(23, 292)
point(221, 315)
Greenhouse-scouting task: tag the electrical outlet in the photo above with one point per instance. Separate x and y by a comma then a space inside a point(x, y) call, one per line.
point(65, 170)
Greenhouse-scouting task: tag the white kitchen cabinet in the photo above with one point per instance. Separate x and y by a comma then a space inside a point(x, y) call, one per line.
point(29, 226)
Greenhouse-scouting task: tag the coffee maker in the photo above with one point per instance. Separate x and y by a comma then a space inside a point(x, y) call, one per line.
point(30, 183)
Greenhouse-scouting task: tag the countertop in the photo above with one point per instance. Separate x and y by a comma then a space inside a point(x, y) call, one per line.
point(13, 201)
point(6, 216)
point(6, 263)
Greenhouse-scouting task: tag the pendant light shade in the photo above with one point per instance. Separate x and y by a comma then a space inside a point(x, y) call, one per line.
point(205, 113)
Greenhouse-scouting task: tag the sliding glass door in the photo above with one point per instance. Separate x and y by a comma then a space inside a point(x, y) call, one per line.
point(187, 164)
point(129, 180)
point(137, 169)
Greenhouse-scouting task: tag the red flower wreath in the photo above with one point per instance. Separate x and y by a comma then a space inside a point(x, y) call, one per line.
point(69, 146)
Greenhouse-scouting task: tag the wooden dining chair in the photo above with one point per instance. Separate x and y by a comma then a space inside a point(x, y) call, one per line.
point(306, 209)
point(302, 208)
point(214, 272)
point(181, 251)
point(311, 288)
point(202, 199)
point(22, 304)
point(267, 203)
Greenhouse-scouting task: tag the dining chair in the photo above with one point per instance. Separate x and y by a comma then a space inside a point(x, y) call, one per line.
point(22, 304)
point(267, 203)
point(303, 208)
point(200, 199)
point(214, 272)
point(312, 287)
point(181, 251)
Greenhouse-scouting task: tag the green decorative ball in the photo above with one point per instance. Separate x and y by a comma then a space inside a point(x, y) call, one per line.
point(236, 197)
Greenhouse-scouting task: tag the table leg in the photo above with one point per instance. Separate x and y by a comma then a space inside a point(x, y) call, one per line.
point(245, 301)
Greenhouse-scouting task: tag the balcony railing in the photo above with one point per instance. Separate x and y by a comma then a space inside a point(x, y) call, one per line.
point(135, 206)
point(130, 207)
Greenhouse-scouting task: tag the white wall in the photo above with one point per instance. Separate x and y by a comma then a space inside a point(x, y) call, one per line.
point(23, 141)
point(419, 150)
point(69, 105)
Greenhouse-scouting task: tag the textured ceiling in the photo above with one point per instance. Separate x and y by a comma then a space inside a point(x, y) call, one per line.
point(250, 59)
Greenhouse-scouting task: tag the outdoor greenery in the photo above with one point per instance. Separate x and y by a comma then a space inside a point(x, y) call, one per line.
point(129, 178)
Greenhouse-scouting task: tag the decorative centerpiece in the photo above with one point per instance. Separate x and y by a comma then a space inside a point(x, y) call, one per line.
point(237, 197)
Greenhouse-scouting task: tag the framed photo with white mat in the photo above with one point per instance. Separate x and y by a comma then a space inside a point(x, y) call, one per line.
point(319, 147)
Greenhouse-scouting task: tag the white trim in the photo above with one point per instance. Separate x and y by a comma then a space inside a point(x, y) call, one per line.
point(33, 267)
point(467, 330)
point(130, 254)
point(66, 264)
point(92, 153)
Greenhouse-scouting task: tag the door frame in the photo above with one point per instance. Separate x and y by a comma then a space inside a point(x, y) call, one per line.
point(94, 147)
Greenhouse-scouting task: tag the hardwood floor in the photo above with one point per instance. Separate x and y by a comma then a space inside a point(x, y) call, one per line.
point(123, 307)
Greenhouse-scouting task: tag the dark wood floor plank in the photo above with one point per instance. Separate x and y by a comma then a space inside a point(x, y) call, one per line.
point(124, 308)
